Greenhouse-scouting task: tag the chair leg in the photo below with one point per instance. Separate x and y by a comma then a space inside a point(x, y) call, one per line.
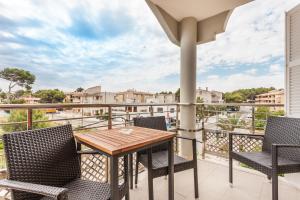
point(196, 182)
point(274, 186)
point(230, 171)
point(131, 170)
point(136, 170)
point(150, 175)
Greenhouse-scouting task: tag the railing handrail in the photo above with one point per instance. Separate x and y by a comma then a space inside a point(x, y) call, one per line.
point(74, 105)
point(85, 105)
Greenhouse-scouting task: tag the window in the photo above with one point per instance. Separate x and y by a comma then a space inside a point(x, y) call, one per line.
point(172, 110)
point(160, 110)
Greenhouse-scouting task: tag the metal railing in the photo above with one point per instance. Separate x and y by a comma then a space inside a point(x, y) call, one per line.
point(214, 120)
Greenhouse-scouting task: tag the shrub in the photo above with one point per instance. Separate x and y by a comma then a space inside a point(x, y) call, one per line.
point(21, 116)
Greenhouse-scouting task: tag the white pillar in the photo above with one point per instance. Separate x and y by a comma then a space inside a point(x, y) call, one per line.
point(188, 43)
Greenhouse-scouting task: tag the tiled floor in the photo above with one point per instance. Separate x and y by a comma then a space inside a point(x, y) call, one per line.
point(213, 185)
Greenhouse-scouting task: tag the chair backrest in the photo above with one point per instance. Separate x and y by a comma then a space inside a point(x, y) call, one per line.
point(45, 156)
point(283, 130)
point(158, 123)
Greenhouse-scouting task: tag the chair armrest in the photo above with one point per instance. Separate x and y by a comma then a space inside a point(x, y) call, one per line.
point(286, 146)
point(274, 153)
point(49, 191)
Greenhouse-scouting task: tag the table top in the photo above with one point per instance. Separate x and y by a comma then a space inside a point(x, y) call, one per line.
point(121, 140)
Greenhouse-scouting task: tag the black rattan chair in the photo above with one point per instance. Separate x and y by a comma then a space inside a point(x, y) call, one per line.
point(45, 164)
point(159, 165)
point(280, 150)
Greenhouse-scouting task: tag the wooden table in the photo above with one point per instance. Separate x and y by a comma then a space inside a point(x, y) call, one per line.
point(122, 141)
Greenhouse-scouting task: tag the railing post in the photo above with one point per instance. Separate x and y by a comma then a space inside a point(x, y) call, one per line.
point(151, 111)
point(29, 119)
point(203, 138)
point(253, 119)
point(109, 117)
point(127, 119)
point(177, 126)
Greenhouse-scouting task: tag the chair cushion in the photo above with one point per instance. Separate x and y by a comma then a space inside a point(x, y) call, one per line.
point(160, 160)
point(83, 190)
point(262, 161)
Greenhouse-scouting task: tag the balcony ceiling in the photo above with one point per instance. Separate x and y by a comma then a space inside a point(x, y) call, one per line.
point(200, 9)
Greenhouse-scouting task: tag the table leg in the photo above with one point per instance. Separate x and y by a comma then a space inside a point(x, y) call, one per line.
point(150, 175)
point(114, 180)
point(171, 169)
point(126, 178)
point(131, 170)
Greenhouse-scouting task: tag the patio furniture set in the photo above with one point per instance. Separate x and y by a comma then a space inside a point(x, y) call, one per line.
point(45, 164)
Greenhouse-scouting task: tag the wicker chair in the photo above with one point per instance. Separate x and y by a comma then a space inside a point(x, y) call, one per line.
point(44, 164)
point(159, 165)
point(280, 150)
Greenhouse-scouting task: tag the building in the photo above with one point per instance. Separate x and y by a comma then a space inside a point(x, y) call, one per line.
point(209, 96)
point(92, 95)
point(272, 97)
point(133, 96)
point(30, 99)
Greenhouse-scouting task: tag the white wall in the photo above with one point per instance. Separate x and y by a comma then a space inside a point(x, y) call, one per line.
point(292, 74)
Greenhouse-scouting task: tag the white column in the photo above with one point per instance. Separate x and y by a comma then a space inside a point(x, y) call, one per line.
point(188, 43)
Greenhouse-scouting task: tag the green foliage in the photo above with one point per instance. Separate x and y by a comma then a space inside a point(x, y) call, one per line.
point(230, 123)
point(17, 101)
point(19, 93)
point(165, 92)
point(2, 94)
point(261, 115)
point(177, 95)
point(50, 96)
point(18, 77)
point(80, 89)
point(234, 97)
point(242, 95)
point(21, 116)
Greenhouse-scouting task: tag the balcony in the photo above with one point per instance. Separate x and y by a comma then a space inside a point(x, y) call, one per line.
point(213, 185)
point(214, 122)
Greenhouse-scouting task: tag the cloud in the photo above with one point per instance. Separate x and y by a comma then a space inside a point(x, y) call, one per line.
point(119, 44)
point(252, 71)
point(109, 24)
point(239, 80)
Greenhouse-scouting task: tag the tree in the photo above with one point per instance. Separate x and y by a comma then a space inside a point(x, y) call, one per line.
point(177, 95)
point(2, 94)
point(80, 89)
point(19, 93)
point(231, 122)
point(261, 115)
point(50, 96)
point(234, 98)
point(242, 95)
point(21, 116)
point(17, 77)
point(165, 92)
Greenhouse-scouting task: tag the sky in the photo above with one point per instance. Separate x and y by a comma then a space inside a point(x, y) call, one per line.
point(120, 45)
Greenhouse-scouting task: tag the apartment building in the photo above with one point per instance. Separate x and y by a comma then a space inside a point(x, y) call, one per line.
point(133, 96)
point(30, 99)
point(209, 96)
point(272, 97)
point(92, 95)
